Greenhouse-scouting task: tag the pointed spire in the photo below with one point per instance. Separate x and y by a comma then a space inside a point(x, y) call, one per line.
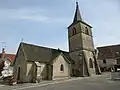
point(77, 16)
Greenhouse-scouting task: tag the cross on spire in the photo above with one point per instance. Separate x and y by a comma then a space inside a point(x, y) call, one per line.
point(76, 2)
point(77, 16)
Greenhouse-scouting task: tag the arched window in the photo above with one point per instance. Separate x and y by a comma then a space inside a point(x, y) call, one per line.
point(61, 67)
point(73, 31)
point(86, 30)
point(90, 63)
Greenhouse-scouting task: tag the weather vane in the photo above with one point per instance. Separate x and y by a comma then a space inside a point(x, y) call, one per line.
point(22, 40)
point(76, 1)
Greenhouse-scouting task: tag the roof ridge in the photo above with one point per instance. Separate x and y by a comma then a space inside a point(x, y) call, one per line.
point(43, 47)
point(9, 53)
point(109, 45)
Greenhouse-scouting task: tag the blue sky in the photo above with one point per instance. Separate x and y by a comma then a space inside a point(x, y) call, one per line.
point(44, 22)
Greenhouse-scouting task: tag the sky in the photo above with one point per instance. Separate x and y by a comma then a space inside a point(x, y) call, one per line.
point(45, 22)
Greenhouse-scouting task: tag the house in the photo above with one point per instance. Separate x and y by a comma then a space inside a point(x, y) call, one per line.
point(6, 61)
point(35, 62)
point(9, 56)
point(108, 56)
point(7, 69)
point(1, 65)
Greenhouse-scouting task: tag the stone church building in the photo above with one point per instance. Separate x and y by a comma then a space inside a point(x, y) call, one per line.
point(36, 62)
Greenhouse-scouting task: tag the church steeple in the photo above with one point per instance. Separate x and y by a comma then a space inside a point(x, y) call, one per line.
point(81, 46)
point(77, 16)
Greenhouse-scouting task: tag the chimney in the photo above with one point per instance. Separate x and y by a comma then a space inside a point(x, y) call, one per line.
point(3, 53)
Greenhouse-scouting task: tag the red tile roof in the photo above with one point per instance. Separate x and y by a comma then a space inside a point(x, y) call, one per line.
point(10, 56)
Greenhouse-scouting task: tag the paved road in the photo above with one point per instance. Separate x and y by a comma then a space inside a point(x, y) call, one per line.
point(93, 83)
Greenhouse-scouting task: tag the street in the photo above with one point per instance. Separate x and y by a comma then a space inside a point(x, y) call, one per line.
point(92, 83)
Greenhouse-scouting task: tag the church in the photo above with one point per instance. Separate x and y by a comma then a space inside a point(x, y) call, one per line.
point(34, 62)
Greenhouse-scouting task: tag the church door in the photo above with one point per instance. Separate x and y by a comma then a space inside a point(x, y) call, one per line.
point(18, 76)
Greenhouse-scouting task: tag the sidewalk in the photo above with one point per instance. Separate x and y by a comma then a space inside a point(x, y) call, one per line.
point(51, 81)
point(62, 80)
point(44, 83)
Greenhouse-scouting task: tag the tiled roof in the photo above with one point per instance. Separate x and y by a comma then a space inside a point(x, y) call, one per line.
point(43, 54)
point(109, 52)
point(10, 56)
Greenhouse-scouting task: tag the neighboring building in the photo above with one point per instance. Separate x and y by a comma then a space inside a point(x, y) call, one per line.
point(11, 57)
point(6, 60)
point(35, 62)
point(108, 56)
point(1, 65)
point(7, 69)
point(2, 59)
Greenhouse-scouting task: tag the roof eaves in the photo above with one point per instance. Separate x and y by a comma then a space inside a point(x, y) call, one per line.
point(69, 61)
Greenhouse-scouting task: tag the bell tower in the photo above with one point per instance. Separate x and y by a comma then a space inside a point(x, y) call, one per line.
point(81, 46)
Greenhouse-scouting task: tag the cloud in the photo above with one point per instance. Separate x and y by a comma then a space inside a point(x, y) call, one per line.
point(31, 14)
point(38, 18)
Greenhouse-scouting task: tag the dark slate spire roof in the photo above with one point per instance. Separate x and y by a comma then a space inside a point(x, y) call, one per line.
point(77, 16)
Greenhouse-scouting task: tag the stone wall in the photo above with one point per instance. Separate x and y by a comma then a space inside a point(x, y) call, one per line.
point(19, 67)
point(57, 72)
